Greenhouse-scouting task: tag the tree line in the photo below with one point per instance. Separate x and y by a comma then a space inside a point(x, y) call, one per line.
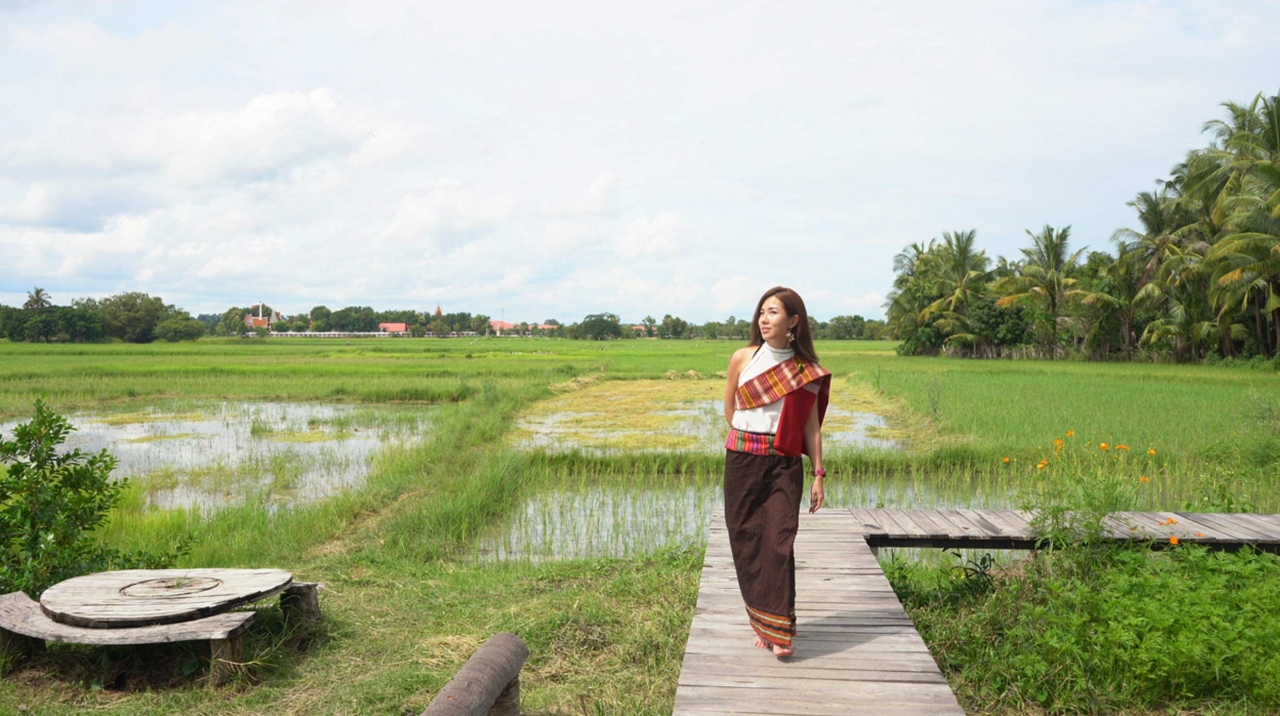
point(136, 317)
point(131, 317)
point(607, 326)
point(355, 319)
point(1197, 279)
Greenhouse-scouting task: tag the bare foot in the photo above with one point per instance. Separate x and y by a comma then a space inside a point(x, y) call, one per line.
point(777, 649)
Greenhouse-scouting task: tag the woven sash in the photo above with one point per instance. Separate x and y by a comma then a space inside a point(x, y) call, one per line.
point(774, 384)
point(785, 381)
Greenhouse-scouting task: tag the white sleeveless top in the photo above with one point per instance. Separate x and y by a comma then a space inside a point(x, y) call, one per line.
point(763, 419)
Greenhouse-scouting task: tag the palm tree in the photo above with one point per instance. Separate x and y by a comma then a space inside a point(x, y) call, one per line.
point(1044, 276)
point(910, 292)
point(1130, 292)
point(1249, 251)
point(962, 274)
point(1161, 217)
point(1250, 265)
point(37, 300)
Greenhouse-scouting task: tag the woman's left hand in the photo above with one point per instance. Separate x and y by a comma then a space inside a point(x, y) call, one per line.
point(816, 495)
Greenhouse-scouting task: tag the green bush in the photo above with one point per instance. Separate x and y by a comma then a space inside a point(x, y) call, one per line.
point(50, 504)
point(179, 328)
point(1091, 626)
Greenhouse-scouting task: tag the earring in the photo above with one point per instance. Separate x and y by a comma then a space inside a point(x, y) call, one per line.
point(791, 337)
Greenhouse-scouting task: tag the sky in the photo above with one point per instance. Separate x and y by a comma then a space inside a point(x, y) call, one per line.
point(550, 160)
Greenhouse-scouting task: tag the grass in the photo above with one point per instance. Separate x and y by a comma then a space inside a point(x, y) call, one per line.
point(409, 600)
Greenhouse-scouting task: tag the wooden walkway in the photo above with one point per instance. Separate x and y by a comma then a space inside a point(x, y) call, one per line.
point(1009, 529)
point(857, 651)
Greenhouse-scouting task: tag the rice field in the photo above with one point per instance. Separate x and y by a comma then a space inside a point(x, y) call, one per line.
point(574, 478)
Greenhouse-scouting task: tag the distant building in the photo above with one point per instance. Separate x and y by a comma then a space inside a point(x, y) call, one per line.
point(393, 327)
point(439, 313)
point(260, 321)
point(504, 327)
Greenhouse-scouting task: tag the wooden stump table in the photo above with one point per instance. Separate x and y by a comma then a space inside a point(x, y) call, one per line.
point(148, 606)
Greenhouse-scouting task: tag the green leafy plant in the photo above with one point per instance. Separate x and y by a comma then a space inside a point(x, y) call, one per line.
point(50, 504)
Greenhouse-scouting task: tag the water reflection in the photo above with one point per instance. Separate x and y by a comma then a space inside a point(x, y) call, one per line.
point(694, 426)
point(208, 454)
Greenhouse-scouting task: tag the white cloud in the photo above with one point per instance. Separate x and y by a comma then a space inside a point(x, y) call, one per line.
point(655, 236)
point(558, 161)
point(600, 198)
point(737, 295)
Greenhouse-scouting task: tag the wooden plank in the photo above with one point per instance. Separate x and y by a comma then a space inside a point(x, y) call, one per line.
point(980, 519)
point(856, 650)
point(868, 521)
point(1212, 535)
point(999, 524)
point(1237, 530)
point(913, 530)
point(19, 614)
point(142, 597)
point(795, 699)
point(1017, 521)
point(1259, 524)
point(925, 519)
point(947, 523)
point(1148, 524)
point(833, 667)
point(892, 526)
point(1271, 520)
point(972, 530)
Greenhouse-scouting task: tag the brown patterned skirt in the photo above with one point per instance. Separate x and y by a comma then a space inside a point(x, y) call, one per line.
point(762, 511)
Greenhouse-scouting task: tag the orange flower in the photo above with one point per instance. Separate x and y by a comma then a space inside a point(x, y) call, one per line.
point(1104, 446)
point(1122, 447)
point(1070, 433)
point(1144, 478)
point(1151, 451)
point(1058, 442)
point(1006, 461)
point(1199, 534)
point(1169, 521)
point(1173, 539)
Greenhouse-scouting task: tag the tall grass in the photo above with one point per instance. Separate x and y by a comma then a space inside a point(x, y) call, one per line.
point(407, 603)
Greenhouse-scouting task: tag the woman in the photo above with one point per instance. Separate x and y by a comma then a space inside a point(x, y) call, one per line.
point(775, 400)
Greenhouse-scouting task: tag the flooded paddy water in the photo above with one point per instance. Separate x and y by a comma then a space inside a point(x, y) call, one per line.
point(207, 454)
point(665, 415)
point(583, 515)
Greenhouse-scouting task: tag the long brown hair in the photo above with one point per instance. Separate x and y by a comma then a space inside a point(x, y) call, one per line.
point(794, 306)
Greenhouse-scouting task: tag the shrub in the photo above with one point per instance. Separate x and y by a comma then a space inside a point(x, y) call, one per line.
point(1091, 626)
point(179, 328)
point(51, 503)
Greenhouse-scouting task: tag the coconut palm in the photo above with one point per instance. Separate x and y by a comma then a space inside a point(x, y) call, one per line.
point(1161, 217)
point(910, 292)
point(1130, 292)
point(1249, 251)
point(961, 274)
point(37, 300)
point(1044, 276)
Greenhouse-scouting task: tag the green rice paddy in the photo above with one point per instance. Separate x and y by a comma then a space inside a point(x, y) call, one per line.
point(586, 541)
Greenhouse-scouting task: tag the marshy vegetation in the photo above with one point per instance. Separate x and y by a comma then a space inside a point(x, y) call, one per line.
point(592, 553)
